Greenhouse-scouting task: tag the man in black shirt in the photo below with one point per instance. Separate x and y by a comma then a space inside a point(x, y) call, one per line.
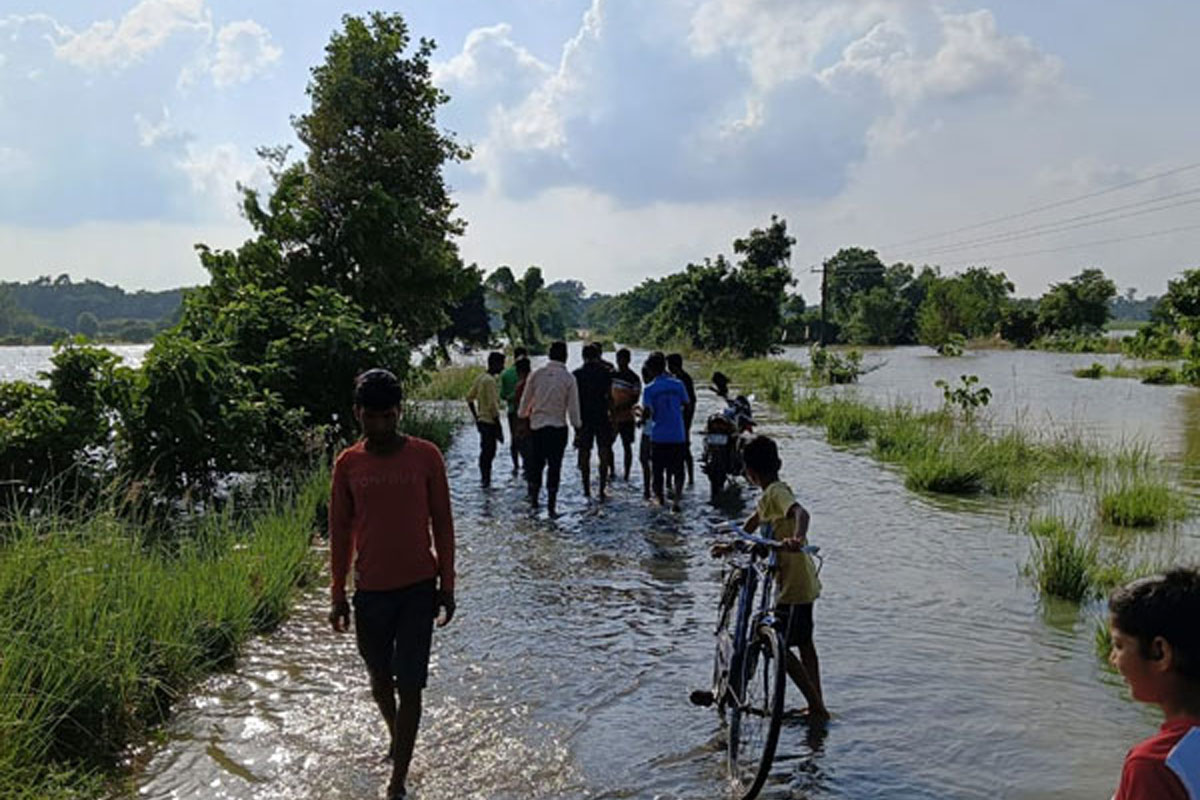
point(675, 367)
point(595, 394)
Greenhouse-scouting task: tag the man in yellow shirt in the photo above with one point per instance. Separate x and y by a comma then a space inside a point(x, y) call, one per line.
point(799, 585)
point(486, 393)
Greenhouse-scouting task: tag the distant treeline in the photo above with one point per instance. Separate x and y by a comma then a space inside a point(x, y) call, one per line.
point(46, 309)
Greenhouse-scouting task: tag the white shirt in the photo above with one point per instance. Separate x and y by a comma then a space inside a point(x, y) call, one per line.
point(550, 397)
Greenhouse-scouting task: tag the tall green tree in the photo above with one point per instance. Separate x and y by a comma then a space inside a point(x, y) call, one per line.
point(849, 272)
point(523, 301)
point(366, 213)
point(1082, 303)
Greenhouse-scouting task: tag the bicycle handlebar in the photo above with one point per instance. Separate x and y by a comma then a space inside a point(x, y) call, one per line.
point(772, 544)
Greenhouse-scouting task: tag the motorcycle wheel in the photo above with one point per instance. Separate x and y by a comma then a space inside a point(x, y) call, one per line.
point(716, 482)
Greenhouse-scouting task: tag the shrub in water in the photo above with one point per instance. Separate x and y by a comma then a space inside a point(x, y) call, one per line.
point(1063, 563)
point(1096, 370)
point(943, 470)
point(847, 422)
point(1141, 502)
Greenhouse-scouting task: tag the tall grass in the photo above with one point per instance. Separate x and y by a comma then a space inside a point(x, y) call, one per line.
point(431, 421)
point(1063, 562)
point(104, 624)
point(448, 383)
point(1141, 501)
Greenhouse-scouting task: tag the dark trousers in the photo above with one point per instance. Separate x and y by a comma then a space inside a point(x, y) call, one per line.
point(549, 444)
point(489, 437)
point(667, 459)
point(514, 446)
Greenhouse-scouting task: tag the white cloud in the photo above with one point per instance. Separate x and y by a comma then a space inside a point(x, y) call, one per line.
point(214, 174)
point(144, 28)
point(718, 97)
point(244, 49)
point(972, 58)
point(163, 132)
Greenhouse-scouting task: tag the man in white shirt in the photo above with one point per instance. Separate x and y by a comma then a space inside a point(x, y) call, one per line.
point(551, 398)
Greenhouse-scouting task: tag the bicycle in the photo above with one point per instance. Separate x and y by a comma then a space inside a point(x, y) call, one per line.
point(749, 665)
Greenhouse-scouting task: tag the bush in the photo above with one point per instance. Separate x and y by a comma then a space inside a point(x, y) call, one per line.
point(1093, 372)
point(1160, 376)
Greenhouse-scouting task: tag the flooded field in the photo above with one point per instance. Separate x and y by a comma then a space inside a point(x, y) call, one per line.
point(567, 670)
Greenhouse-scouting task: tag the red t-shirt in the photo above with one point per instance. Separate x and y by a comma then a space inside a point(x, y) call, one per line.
point(1147, 774)
point(382, 511)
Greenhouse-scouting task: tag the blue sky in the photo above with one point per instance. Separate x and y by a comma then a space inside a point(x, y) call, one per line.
point(619, 139)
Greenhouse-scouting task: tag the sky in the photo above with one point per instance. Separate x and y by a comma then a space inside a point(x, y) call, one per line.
point(617, 140)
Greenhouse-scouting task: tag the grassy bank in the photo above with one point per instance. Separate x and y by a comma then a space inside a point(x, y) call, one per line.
point(103, 626)
point(447, 383)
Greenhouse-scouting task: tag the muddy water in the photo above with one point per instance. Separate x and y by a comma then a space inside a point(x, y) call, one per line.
point(566, 672)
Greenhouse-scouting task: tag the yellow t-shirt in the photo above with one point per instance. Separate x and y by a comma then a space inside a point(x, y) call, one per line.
point(798, 581)
point(487, 398)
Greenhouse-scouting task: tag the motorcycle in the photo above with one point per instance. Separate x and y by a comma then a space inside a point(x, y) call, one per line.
point(725, 434)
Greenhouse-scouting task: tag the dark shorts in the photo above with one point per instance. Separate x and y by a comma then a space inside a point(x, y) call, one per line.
point(794, 623)
point(394, 629)
point(599, 435)
point(668, 455)
point(627, 431)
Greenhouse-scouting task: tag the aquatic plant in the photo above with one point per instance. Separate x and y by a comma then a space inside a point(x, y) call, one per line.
point(848, 422)
point(964, 395)
point(1093, 372)
point(1141, 501)
point(1062, 561)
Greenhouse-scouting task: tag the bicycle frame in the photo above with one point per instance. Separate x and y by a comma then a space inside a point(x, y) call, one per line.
point(756, 572)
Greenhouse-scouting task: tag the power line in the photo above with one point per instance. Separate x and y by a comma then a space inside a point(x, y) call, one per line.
point(1047, 207)
point(1114, 240)
point(1060, 226)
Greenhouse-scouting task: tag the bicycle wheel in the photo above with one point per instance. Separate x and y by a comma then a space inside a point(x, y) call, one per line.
point(723, 655)
point(754, 722)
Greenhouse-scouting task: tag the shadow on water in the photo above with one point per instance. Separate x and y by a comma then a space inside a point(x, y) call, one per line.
point(567, 671)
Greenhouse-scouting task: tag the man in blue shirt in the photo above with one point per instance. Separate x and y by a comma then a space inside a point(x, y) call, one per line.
point(664, 400)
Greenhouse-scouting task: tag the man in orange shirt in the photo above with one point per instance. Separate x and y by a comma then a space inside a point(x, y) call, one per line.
point(389, 512)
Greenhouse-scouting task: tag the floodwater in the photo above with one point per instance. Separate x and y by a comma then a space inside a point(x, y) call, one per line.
point(567, 670)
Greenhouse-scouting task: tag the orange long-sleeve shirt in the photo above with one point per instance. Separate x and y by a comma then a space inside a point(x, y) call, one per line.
point(382, 511)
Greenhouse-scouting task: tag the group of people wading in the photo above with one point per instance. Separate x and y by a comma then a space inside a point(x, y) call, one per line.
point(602, 402)
point(391, 523)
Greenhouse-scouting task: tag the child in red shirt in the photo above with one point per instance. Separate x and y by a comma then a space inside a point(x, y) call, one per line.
point(1156, 647)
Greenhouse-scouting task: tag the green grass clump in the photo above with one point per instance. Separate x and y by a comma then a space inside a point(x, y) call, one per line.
point(1096, 370)
point(1063, 562)
point(898, 433)
point(448, 383)
point(1102, 641)
point(848, 422)
point(808, 410)
point(943, 471)
point(104, 624)
point(1141, 502)
point(432, 422)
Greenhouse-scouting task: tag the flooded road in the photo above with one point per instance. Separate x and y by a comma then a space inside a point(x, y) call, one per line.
point(567, 670)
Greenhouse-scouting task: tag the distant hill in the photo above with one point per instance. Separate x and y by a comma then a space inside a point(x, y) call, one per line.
point(44, 309)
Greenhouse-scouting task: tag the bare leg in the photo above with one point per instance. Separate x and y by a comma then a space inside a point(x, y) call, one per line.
point(805, 682)
point(408, 719)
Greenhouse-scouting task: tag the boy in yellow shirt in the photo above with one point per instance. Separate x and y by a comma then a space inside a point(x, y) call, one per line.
point(798, 582)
